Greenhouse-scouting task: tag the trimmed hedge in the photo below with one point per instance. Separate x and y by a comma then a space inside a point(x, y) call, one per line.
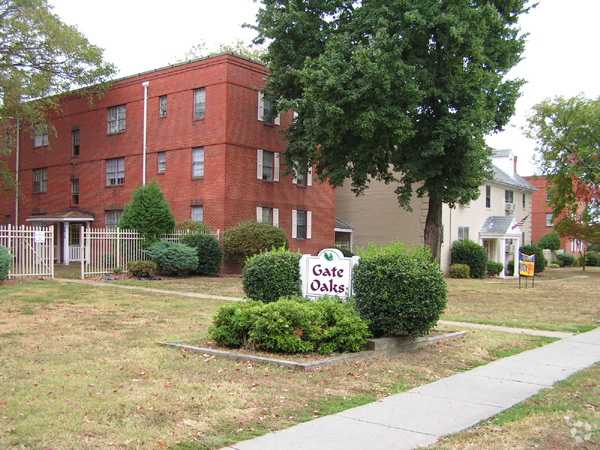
point(399, 289)
point(540, 260)
point(173, 257)
point(565, 259)
point(209, 251)
point(251, 238)
point(269, 276)
point(494, 268)
point(5, 262)
point(146, 269)
point(472, 254)
point(459, 271)
point(291, 325)
point(550, 241)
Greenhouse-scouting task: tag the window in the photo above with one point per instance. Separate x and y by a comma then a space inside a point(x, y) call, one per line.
point(198, 213)
point(549, 219)
point(265, 110)
point(162, 106)
point(40, 180)
point(115, 171)
point(549, 196)
point(199, 103)
point(8, 219)
point(116, 119)
point(75, 192)
point(162, 162)
point(488, 196)
point(304, 178)
point(268, 215)
point(267, 165)
point(75, 142)
point(509, 196)
point(198, 162)
point(463, 233)
point(40, 135)
point(112, 218)
point(301, 224)
point(524, 201)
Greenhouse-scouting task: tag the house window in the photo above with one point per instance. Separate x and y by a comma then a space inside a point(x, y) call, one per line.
point(162, 106)
point(463, 233)
point(198, 162)
point(549, 219)
point(268, 215)
point(265, 110)
point(75, 192)
point(198, 213)
point(40, 180)
point(112, 218)
point(509, 196)
point(549, 196)
point(115, 172)
point(75, 142)
point(8, 219)
point(488, 196)
point(40, 135)
point(162, 162)
point(304, 178)
point(524, 199)
point(267, 165)
point(199, 103)
point(116, 119)
point(301, 224)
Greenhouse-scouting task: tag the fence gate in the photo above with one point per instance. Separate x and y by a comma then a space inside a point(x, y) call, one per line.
point(32, 249)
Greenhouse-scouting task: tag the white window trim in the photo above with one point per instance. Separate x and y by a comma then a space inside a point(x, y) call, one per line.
point(259, 211)
point(295, 224)
point(259, 165)
point(261, 110)
point(197, 208)
point(308, 177)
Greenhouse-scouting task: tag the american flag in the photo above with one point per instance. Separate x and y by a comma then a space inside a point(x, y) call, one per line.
point(520, 223)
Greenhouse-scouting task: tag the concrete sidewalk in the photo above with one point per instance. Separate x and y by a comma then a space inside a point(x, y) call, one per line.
point(420, 416)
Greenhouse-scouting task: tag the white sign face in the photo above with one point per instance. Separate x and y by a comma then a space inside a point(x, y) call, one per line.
point(329, 273)
point(40, 237)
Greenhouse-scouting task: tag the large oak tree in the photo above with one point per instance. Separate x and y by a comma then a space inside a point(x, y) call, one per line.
point(400, 91)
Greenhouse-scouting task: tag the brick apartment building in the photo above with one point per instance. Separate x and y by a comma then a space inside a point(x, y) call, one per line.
point(209, 145)
point(543, 219)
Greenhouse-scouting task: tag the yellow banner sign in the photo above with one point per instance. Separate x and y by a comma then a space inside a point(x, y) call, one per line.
point(526, 265)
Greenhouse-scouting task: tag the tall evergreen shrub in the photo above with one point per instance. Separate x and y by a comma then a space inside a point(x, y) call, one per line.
point(473, 255)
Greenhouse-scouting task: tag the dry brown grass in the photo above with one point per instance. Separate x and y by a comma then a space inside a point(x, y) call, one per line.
point(80, 368)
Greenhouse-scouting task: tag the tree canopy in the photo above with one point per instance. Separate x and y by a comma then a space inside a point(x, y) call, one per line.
point(41, 57)
point(400, 92)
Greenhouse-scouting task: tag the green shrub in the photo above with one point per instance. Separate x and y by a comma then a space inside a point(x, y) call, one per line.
point(459, 271)
point(269, 276)
point(252, 238)
point(550, 241)
point(347, 253)
point(145, 269)
point(494, 268)
point(565, 259)
point(399, 289)
point(173, 257)
point(554, 266)
point(540, 260)
point(210, 252)
point(291, 325)
point(5, 262)
point(148, 213)
point(591, 259)
point(469, 253)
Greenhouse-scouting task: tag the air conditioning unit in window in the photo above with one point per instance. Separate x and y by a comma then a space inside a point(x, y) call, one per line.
point(510, 248)
point(510, 207)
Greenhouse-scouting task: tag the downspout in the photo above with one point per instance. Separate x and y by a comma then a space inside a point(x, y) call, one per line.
point(17, 173)
point(145, 84)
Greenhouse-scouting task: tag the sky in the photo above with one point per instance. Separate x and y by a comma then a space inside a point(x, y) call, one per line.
point(560, 59)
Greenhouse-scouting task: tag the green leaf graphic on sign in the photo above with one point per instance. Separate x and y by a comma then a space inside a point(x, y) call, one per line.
point(328, 256)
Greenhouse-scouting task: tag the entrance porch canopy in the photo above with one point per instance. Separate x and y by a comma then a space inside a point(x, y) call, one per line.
point(66, 219)
point(499, 229)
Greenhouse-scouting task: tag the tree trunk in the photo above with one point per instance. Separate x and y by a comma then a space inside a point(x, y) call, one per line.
point(433, 229)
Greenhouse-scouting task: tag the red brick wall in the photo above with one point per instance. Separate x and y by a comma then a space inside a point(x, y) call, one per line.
point(230, 134)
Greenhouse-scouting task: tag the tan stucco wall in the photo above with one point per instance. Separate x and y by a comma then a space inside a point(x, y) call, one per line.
point(376, 216)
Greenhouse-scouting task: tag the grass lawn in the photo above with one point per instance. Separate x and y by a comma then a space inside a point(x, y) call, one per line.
point(80, 365)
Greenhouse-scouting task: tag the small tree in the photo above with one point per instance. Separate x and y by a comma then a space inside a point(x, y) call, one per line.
point(473, 255)
point(550, 241)
point(251, 238)
point(148, 213)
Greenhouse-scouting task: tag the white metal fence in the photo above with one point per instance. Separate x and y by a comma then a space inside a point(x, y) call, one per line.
point(108, 250)
point(32, 249)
